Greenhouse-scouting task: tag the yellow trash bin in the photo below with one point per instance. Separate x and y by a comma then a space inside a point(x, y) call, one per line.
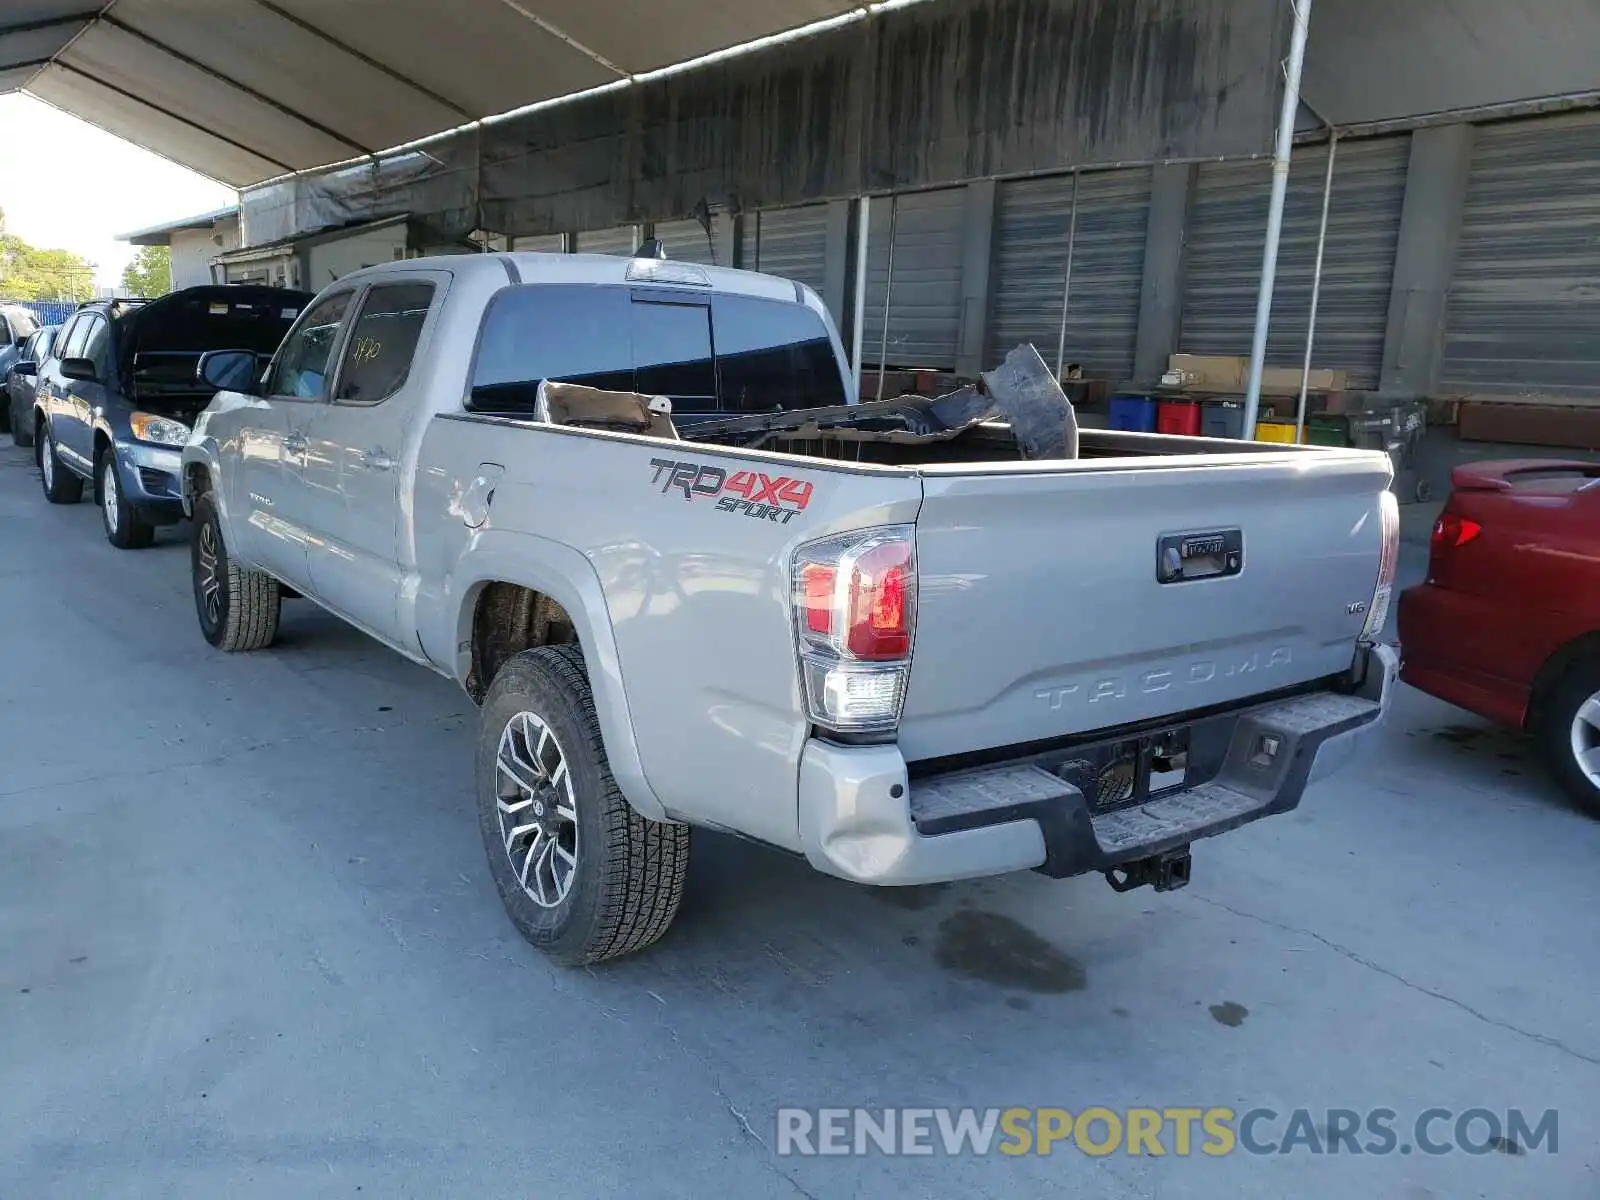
point(1275, 431)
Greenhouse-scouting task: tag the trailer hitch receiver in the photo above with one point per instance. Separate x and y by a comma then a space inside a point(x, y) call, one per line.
point(1165, 872)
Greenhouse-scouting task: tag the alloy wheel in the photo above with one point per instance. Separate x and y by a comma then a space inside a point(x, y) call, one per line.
point(108, 495)
point(1585, 735)
point(47, 464)
point(210, 580)
point(537, 808)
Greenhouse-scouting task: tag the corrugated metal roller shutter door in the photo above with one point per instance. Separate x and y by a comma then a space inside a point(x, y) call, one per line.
point(1032, 221)
point(624, 239)
point(792, 242)
point(925, 302)
point(547, 243)
point(1524, 304)
point(685, 241)
point(1227, 232)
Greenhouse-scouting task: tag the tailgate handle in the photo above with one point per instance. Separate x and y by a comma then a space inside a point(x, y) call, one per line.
point(1212, 554)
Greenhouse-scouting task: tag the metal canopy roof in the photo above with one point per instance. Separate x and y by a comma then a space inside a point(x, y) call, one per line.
point(242, 90)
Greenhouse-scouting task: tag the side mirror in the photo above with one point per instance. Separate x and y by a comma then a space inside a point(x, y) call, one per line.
point(81, 369)
point(20, 342)
point(228, 370)
point(25, 366)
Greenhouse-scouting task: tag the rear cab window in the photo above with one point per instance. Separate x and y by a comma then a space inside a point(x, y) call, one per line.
point(709, 354)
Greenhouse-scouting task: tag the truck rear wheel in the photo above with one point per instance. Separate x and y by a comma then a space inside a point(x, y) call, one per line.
point(583, 876)
point(1569, 733)
point(238, 608)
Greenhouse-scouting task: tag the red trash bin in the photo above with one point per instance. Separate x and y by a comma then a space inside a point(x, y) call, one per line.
point(1181, 417)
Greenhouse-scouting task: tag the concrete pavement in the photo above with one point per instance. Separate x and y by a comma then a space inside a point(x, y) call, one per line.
point(248, 947)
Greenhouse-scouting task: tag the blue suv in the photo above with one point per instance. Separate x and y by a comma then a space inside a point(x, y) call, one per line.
point(115, 401)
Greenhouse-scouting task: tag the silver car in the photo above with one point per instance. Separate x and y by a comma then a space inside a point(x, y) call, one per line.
point(22, 378)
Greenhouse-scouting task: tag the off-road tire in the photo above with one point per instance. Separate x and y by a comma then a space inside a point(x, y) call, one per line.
point(126, 529)
point(61, 486)
point(1578, 683)
point(246, 616)
point(630, 871)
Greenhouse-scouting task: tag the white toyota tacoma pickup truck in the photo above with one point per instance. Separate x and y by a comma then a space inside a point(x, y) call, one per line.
point(877, 635)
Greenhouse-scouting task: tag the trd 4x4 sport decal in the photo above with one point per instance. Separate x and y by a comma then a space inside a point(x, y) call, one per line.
point(752, 493)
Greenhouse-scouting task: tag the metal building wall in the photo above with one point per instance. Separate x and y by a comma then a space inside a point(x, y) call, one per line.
point(925, 299)
point(1032, 220)
point(1227, 224)
point(930, 95)
point(686, 242)
point(792, 242)
point(546, 243)
point(624, 239)
point(1523, 312)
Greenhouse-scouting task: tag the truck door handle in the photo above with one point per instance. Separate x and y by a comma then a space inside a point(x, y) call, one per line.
point(375, 460)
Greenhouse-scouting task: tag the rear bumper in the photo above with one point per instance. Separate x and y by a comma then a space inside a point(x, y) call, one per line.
point(1439, 630)
point(862, 819)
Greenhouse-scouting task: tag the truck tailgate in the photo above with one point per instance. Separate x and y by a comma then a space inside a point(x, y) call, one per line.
point(1041, 613)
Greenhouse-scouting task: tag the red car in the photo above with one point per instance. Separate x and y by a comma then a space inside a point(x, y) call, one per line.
point(1508, 623)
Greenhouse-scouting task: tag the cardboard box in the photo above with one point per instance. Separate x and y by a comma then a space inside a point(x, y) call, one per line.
point(1210, 372)
point(1221, 373)
point(1530, 425)
point(1285, 381)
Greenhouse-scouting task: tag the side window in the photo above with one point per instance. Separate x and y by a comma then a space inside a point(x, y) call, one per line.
point(383, 341)
point(5, 331)
point(70, 344)
point(774, 354)
point(672, 354)
point(574, 333)
point(97, 347)
point(304, 358)
point(23, 325)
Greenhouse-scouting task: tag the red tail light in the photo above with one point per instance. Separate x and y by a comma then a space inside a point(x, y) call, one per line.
point(817, 582)
point(1452, 530)
point(855, 599)
point(879, 627)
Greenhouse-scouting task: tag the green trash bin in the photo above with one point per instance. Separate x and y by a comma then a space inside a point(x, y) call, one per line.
point(1327, 431)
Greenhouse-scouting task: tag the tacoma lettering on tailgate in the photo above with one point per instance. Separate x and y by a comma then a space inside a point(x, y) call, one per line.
point(751, 493)
point(1146, 683)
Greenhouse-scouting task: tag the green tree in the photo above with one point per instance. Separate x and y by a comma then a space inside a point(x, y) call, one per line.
point(150, 272)
point(29, 273)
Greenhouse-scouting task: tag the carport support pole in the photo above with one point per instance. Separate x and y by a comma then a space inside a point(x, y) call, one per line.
point(888, 291)
point(1316, 289)
point(1066, 284)
point(1280, 186)
point(859, 319)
